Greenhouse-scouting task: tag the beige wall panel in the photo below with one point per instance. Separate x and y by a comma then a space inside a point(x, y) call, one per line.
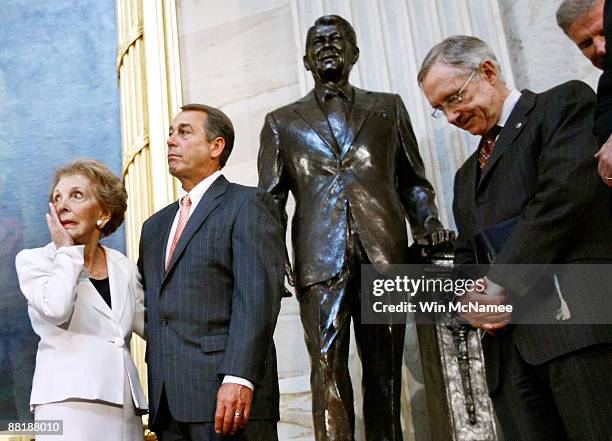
point(237, 66)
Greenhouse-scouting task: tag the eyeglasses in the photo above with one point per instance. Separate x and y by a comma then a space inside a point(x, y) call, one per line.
point(452, 101)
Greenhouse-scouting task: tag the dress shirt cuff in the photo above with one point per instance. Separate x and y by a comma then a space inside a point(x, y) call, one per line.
point(238, 380)
point(493, 289)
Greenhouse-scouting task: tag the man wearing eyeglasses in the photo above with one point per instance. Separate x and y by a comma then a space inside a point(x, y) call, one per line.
point(531, 189)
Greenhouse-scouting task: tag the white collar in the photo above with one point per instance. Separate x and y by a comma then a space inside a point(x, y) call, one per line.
point(201, 187)
point(508, 107)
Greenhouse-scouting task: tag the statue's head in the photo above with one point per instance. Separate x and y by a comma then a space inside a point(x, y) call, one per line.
point(331, 49)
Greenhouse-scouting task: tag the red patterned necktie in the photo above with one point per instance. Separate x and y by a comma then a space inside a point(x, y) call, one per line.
point(488, 143)
point(182, 221)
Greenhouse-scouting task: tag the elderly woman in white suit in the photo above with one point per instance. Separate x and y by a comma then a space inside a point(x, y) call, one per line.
point(84, 301)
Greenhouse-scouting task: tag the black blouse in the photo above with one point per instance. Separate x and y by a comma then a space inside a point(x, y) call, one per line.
point(103, 287)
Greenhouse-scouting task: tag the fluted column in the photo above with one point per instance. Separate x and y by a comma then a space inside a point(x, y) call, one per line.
point(150, 94)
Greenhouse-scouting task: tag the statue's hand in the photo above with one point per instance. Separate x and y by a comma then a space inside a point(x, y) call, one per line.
point(441, 238)
point(437, 236)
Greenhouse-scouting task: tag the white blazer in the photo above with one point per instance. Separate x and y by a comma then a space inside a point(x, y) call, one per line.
point(84, 348)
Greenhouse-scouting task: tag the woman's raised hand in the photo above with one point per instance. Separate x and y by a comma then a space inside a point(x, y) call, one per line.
point(59, 235)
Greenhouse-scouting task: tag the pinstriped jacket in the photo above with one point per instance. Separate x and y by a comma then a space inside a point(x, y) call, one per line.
point(542, 172)
point(213, 312)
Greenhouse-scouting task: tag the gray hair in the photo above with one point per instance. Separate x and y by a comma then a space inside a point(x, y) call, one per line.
point(461, 51)
point(570, 11)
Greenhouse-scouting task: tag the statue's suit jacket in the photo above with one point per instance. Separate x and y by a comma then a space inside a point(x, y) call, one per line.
point(542, 173)
point(375, 173)
point(213, 312)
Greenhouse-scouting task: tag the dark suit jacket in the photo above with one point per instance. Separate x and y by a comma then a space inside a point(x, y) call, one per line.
point(543, 173)
point(603, 116)
point(214, 311)
point(376, 175)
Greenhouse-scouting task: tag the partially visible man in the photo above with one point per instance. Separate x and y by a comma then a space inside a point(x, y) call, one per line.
point(583, 22)
point(212, 266)
point(531, 174)
point(603, 115)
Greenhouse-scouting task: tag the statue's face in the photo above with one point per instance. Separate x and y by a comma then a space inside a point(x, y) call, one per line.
point(330, 54)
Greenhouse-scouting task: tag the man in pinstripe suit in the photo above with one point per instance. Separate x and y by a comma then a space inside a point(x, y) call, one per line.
point(533, 185)
point(212, 266)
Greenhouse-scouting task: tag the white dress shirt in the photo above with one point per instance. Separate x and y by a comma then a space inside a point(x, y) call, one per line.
point(508, 107)
point(196, 195)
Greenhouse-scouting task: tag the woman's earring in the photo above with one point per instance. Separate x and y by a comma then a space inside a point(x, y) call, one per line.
point(100, 223)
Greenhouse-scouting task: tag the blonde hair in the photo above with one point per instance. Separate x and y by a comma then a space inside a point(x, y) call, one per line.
point(108, 189)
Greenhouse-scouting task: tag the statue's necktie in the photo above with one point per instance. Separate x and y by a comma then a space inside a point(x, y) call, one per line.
point(487, 146)
point(336, 115)
point(182, 221)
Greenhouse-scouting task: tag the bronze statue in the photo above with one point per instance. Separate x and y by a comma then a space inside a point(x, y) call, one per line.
point(351, 160)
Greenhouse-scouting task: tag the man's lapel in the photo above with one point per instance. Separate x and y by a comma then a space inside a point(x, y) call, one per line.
point(361, 109)
point(308, 108)
point(208, 203)
point(165, 225)
point(469, 200)
point(516, 122)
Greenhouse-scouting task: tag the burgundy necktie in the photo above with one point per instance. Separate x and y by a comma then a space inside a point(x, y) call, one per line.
point(487, 146)
point(182, 221)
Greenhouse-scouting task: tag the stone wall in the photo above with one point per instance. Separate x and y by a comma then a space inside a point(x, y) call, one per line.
point(542, 56)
